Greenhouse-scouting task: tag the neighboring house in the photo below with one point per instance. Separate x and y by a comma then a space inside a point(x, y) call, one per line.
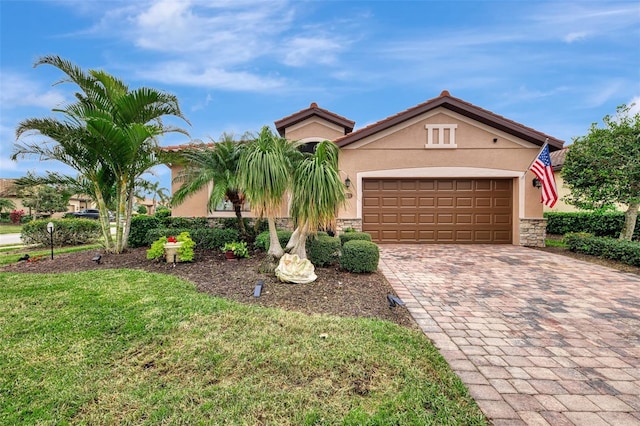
point(444, 171)
point(76, 202)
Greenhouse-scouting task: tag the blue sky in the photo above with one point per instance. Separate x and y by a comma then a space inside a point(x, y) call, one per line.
point(238, 65)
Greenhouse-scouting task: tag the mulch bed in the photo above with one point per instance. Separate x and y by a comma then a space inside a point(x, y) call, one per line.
point(335, 292)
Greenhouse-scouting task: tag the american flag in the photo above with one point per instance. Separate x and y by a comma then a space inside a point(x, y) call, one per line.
point(544, 172)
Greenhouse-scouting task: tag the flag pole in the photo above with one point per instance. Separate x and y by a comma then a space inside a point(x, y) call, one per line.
point(546, 142)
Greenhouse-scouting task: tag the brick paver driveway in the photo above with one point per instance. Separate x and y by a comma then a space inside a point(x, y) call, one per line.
point(538, 338)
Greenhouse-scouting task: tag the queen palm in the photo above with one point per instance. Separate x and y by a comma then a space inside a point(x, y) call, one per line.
point(264, 175)
point(6, 204)
point(318, 192)
point(217, 165)
point(111, 125)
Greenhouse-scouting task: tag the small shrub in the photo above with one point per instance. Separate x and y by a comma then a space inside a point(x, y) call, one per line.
point(140, 225)
point(354, 236)
point(185, 251)
point(154, 234)
point(360, 256)
point(66, 232)
point(141, 209)
point(239, 249)
point(262, 240)
point(16, 216)
point(162, 212)
point(324, 250)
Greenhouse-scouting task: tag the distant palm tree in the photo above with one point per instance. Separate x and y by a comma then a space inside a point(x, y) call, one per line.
point(109, 133)
point(217, 165)
point(264, 174)
point(318, 192)
point(6, 204)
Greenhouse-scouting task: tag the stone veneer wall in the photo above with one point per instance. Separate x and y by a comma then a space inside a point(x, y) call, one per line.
point(281, 222)
point(287, 223)
point(342, 224)
point(533, 232)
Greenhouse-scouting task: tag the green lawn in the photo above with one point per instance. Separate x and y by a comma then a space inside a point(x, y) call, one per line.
point(10, 229)
point(131, 347)
point(11, 255)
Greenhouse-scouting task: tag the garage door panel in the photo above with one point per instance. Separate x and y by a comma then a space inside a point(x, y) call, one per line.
point(464, 219)
point(463, 185)
point(502, 202)
point(438, 210)
point(464, 202)
point(426, 201)
point(445, 201)
point(426, 218)
point(408, 201)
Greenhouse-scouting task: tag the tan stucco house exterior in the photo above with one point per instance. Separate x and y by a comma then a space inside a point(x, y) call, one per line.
point(444, 171)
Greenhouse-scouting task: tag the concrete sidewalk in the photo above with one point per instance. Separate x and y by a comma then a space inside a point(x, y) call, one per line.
point(538, 338)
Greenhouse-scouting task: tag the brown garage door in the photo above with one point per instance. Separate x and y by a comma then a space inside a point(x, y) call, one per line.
point(456, 211)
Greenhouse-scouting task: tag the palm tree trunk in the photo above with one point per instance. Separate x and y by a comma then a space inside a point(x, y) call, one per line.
point(293, 240)
point(275, 249)
point(300, 247)
point(630, 219)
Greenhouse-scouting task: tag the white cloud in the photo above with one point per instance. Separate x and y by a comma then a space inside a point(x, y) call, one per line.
point(571, 37)
point(191, 75)
point(635, 109)
point(19, 91)
point(303, 51)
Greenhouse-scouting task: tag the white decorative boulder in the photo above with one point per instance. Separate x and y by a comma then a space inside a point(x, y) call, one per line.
point(292, 269)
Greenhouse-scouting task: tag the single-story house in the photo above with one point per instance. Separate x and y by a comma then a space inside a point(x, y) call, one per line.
point(443, 171)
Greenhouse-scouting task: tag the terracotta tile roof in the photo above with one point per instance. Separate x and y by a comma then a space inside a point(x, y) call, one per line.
point(314, 110)
point(445, 100)
point(176, 148)
point(557, 158)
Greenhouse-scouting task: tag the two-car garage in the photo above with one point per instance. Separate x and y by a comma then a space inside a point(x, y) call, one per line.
point(422, 210)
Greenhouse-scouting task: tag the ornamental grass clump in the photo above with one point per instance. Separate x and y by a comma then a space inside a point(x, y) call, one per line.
point(360, 256)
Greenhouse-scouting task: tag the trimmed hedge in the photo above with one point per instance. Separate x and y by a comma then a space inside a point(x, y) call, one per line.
point(185, 222)
point(627, 252)
point(360, 256)
point(324, 250)
point(140, 226)
point(262, 240)
point(349, 236)
point(214, 238)
point(66, 232)
point(598, 224)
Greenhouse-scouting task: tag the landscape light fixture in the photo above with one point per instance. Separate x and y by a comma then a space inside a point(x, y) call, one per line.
point(258, 290)
point(50, 231)
point(394, 301)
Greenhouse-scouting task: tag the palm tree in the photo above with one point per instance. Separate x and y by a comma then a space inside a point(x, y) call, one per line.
point(317, 194)
point(72, 144)
point(6, 204)
point(110, 130)
point(264, 174)
point(217, 164)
